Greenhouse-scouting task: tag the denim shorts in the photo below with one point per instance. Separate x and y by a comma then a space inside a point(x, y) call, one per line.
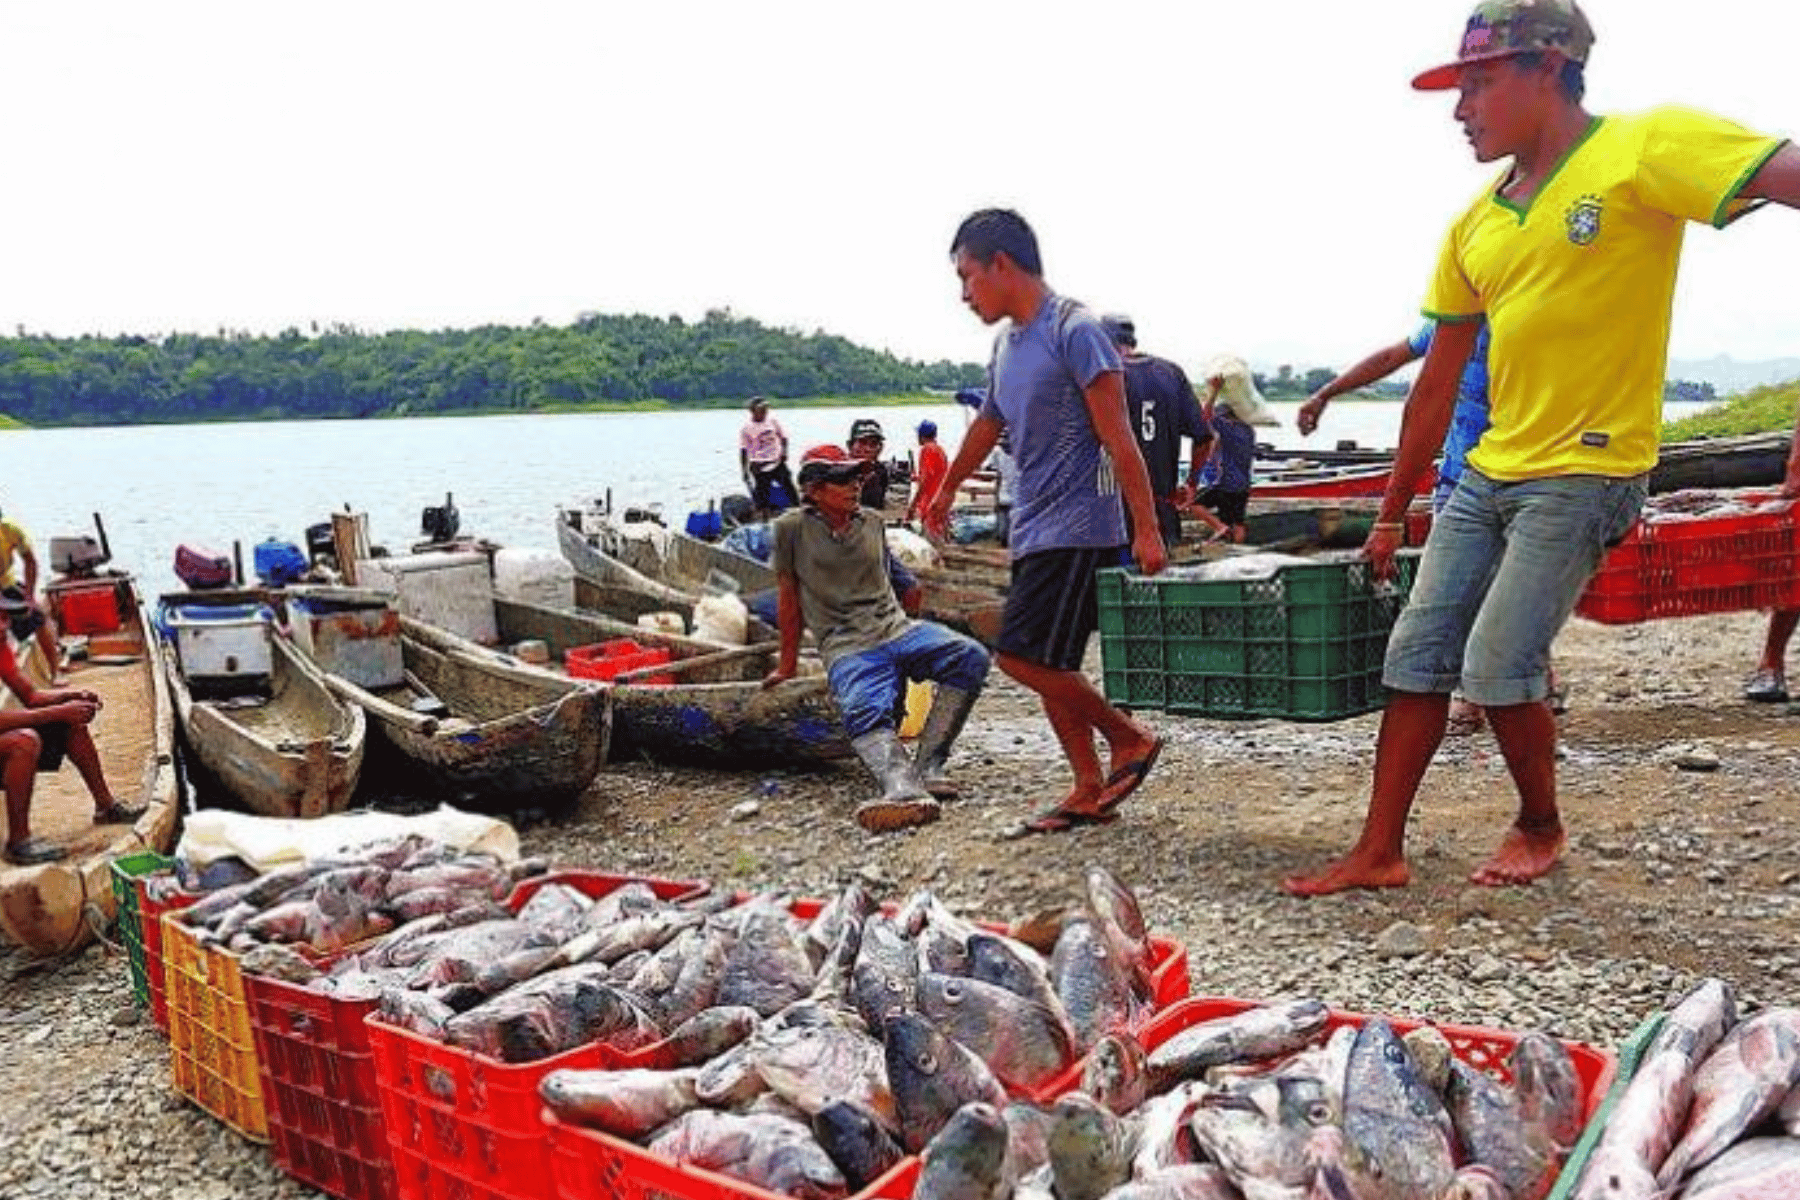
point(869, 685)
point(1501, 573)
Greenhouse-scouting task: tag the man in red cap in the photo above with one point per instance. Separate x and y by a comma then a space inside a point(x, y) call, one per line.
point(1570, 257)
point(833, 577)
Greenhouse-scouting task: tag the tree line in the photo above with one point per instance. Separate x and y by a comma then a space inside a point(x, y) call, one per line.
point(344, 372)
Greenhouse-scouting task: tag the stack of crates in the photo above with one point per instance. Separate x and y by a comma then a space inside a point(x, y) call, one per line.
point(140, 924)
point(1305, 643)
point(213, 1056)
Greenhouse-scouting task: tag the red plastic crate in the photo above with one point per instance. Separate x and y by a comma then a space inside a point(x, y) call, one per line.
point(459, 1124)
point(609, 660)
point(87, 606)
point(1681, 568)
point(1483, 1049)
point(590, 1165)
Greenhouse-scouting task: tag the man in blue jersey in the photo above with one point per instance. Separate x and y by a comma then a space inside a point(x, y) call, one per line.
point(1162, 408)
point(1056, 386)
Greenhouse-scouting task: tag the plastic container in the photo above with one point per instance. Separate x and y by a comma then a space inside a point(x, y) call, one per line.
point(609, 660)
point(150, 910)
point(464, 1125)
point(918, 704)
point(1484, 1049)
point(535, 576)
point(590, 1165)
point(86, 606)
point(125, 870)
point(212, 1053)
point(1304, 644)
point(1681, 568)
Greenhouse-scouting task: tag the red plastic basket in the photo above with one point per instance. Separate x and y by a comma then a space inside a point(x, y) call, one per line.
point(459, 1124)
point(150, 929)
point(1484, 1049)
point(1681, 568)
point(608, 660)
point(590, 1165)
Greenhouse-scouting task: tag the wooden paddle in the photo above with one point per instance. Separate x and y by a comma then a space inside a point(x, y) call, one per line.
point(682, 666)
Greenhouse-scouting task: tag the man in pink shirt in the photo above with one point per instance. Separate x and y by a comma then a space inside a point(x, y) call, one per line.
point(762, 458)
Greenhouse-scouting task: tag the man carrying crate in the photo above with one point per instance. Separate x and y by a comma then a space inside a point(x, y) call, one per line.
point(1570, 257)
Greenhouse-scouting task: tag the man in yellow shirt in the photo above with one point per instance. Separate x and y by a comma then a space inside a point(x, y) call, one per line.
point(1570, 257)
point(32, 620)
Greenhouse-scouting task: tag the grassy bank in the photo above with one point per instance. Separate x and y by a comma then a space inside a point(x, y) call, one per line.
point(1760, 410)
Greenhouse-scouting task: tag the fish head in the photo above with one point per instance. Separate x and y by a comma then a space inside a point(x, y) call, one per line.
point(967, 1157)
point(1392, 1119)
point(1116, 1073)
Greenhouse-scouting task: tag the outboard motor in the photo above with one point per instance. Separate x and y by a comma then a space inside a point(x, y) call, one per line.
point(201, 568)
point(320, 545)
point(440, 524)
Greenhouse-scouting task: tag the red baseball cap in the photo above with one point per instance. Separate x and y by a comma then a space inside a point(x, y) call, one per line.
point(831, 463)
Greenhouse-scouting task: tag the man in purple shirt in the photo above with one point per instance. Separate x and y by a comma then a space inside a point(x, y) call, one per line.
point(1056, 387)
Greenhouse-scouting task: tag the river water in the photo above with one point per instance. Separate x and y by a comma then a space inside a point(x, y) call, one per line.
point(210, 485)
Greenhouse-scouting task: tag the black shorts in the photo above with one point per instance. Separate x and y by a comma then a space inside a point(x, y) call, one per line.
point(1229, 507)
point(53, 745)
point(1053, 607)
point(26, 623)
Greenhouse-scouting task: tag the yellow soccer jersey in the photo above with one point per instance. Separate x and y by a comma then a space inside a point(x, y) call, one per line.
point(1578, 284)
point(12, 538)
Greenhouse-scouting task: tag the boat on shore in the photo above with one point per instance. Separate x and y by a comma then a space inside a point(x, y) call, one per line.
point(477, 727)
point(277, 738)
point(705, 706)
point(51, 908)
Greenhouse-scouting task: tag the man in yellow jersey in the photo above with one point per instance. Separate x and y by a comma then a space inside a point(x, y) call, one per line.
point(1570, 256)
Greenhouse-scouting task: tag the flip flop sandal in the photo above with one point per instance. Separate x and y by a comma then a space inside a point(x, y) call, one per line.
point(32, 851)
point(119, 814)
point(1058, 820)
point(1128, 778)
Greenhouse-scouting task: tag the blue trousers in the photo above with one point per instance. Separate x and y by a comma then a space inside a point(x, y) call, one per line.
point(869, 684)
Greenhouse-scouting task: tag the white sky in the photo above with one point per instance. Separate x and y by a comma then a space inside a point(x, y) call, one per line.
point(1254, 177)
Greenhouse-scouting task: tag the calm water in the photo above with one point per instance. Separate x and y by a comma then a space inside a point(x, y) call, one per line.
point(158, 486)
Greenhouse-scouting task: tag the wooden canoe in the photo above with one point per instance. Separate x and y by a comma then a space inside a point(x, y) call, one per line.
point(45, 908)
point(716, 714)
point(292, 749)
point(478, 728)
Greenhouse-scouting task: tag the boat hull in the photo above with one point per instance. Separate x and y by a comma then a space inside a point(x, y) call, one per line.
point(46, 908)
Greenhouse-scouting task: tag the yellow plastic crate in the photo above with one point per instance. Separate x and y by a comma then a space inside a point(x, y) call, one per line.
point(213, 1055)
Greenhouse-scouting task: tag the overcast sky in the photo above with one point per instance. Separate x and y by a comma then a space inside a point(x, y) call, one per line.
point(1246, 177)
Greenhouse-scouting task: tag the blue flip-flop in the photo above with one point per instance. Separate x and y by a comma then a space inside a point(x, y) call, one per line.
point(1128, 778)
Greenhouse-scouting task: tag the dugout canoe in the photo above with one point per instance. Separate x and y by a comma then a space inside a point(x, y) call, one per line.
point(713, 713)
point(51, 908)
point(283, 746)
point(478, 728)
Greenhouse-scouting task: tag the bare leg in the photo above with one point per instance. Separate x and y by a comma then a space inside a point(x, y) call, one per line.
point(1077, 711)
point(1527, 737)
point(18, 768)
point(1782, 623)
point(86, 757)
point(1412, 728)
point(52, 650)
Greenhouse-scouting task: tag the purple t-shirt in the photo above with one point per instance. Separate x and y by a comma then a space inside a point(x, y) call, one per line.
point(1067, 496)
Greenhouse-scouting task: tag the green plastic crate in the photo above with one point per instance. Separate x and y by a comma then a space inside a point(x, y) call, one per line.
point(125, 870)
point(1631, 1055)
point(1305, 644)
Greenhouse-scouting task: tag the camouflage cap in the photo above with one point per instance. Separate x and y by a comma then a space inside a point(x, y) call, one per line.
point(1499, 28)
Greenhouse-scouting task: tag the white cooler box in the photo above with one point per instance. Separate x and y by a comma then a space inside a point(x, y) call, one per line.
point(452, 590)
point(354, 635)
point(222, 646)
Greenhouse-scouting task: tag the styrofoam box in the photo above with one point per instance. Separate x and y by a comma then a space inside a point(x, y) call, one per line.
point(535, 576)
point(221, 646)
point(452, 591)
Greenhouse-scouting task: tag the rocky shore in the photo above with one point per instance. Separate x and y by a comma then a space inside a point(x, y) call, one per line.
point(1684, 860)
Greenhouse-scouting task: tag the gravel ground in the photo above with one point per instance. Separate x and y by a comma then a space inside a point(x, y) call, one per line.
point(1684, 861)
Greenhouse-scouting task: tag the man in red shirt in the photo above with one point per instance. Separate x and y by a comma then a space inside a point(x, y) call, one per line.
point(934, 464)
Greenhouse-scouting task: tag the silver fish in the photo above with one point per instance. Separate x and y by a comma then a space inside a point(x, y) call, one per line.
point(812, 1065)
point(931, 1077)
point(1765, 1168)
point(886, 973)
point(1259, 1130)
point(1740, 1084)
point(1193, 1181)
point(1025, 1044)
point(768, 968)
point(629, 1103)
point(1090, 1151)
point(1094, 984)
point(1165, 1133)
point(1120, 920)
point(769, 1151)
point(1396, 1132)
point(1549, 1090)
point(706, 1035)
point(966, 1160)
point(1494, 1133)
point(1250, 1036)
point(857, 1140)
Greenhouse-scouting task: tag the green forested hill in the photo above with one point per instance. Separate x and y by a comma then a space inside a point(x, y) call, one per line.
point(599, 360)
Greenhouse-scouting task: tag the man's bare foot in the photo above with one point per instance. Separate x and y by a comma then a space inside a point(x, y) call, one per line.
point(1354, 870)
point(1524, 855)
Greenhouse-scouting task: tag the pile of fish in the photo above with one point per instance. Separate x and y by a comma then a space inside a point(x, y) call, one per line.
point(810, 1056)
point(1713, 1111)
point(1260, 1105)
point(328, 905)
point(1699, 504)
